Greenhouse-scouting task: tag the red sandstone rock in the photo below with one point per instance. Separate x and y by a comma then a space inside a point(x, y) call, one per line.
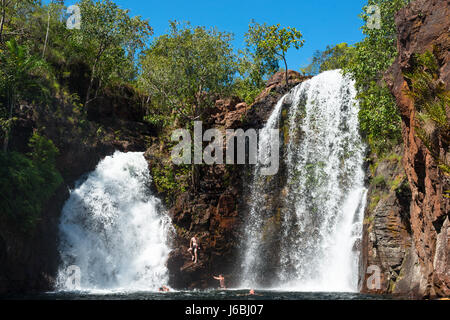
point(424, 25)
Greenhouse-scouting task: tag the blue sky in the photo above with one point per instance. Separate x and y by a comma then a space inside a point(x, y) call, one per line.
point(322, 22)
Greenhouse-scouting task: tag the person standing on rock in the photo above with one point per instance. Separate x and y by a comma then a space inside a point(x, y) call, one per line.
point(194, 247)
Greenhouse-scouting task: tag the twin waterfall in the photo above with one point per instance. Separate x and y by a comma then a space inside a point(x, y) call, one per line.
point(316, 209)
point(114, 230)
point(302, 228)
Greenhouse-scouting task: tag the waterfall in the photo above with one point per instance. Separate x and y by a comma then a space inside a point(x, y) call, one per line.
point(316, 207)
point(114, 230)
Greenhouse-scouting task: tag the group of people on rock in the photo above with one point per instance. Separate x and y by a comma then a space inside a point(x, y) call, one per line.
point(194, 246)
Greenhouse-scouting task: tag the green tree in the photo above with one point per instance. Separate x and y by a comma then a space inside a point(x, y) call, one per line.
point(379, 117)
point(16, 78)
point(111, 39)
point(53, 6)
point(255, 66)
point(10, 10)
point(185, 70)
point(337, 57)
point(28, 182)
point(273, 42)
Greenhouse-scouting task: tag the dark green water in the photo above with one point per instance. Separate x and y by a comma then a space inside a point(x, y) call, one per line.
point(201, 295)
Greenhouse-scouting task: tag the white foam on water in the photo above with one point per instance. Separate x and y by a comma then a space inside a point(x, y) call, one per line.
point(326, 196)
point(114, 230)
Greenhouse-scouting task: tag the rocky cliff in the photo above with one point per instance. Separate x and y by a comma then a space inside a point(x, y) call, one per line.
point(410, 242)
point(29, 260)
point(216, 211)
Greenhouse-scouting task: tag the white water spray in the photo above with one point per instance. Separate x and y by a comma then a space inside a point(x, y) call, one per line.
point(321, 217)
point(114, 230)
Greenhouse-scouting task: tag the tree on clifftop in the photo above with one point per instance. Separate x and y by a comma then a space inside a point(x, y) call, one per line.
point(184, 70)
point(111, 39)
point(273, 42)
point(16, 79)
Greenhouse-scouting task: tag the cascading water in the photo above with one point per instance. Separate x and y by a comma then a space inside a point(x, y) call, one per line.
point(321, 204)
point(114, 230)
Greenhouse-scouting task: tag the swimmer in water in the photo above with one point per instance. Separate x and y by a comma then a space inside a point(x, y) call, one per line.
point(221, 281)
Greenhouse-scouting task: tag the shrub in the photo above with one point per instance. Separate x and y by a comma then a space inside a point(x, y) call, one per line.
point(27, 183)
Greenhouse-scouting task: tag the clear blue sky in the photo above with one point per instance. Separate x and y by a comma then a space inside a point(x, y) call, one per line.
point(322, 22)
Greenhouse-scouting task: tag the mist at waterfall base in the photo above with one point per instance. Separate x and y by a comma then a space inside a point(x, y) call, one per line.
point(118, 234)
point(318, 220)
point(114, 230)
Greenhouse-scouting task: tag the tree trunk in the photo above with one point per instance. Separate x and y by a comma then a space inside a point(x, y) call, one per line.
point(286, 72)
point(8, 131)
point(91, 83)
point(195, 177)
point(2, 21)
point(46, 35)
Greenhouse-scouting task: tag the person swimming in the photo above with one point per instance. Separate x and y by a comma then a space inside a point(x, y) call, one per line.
point(221, 281)
point(164, 289)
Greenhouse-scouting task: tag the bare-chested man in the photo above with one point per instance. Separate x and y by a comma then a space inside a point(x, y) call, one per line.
point(194, 247)
point(221, 281)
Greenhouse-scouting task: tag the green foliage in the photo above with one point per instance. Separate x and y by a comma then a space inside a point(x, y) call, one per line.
point(379, 181)
point(19, 71)
point(246, 89)
point(111, 39)
point(19, 79)
point(27, 183)
point(170, 180)
point(337, 57)
point(379, 116)
point(432, 101)
point(185, 70)
point(271, 43)
point(12, 12)
point(396, 182)
point(374, 200)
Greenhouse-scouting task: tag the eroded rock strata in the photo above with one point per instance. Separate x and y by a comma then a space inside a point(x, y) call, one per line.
point(216, 211)
point(413, 253)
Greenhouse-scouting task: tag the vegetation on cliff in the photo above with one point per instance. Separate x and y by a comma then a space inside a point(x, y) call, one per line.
point(367, 62)
point(431, 99)
point(62, 74)
point(27, 182)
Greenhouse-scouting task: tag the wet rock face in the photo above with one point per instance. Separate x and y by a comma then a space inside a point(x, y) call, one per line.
point(29, 262)
point(422, 26)
point(217, 211)
point(262, 108)
point(387, 240)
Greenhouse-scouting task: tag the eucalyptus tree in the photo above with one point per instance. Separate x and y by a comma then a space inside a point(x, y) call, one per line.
point(337, 57)
point(378, 115)
point(185, 69)
point(110, 39)
point(16, 78)
point(10, 9)
point(272, 42)
point(54, 4)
